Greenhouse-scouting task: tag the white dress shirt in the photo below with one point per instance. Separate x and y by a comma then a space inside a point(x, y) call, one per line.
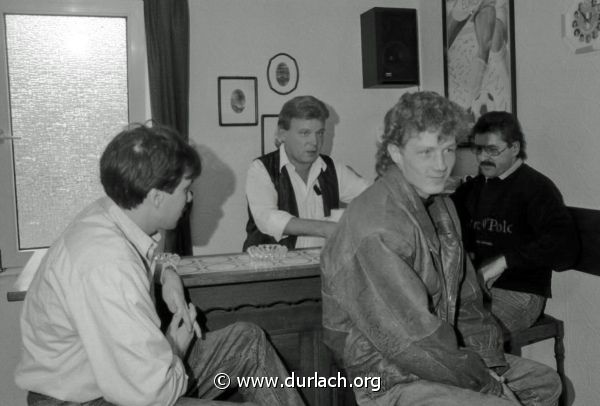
point(89, 325)
point(262, 196)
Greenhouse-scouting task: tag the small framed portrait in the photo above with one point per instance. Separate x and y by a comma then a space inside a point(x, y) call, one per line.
point(238, 100)
point(268, 125)
point(282, 74)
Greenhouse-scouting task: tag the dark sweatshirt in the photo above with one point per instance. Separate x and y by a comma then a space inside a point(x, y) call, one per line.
point(523, 218)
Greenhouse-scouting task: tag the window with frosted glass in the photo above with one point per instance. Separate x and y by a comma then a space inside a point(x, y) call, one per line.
point(68, 98)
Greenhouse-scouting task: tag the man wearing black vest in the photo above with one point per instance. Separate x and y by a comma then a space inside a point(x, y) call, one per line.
point(293, 191)
point(514, 222)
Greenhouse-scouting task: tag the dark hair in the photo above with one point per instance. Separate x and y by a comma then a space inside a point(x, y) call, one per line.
point(415, 113)
point(503, 123)
point(141, 158)
point(304, 107)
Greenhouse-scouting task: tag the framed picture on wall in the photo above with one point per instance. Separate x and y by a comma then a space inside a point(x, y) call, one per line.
point(268, 125)
point(282, 74)
point(238, 100)
point(479, 55)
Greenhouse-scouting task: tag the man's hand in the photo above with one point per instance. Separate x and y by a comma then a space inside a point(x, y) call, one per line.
point(172, 293)
point(506, 393)
point(492, 270)
point(177, 333)
point(493, 387)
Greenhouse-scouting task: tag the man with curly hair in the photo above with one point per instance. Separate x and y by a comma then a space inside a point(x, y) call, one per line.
point(400, 299)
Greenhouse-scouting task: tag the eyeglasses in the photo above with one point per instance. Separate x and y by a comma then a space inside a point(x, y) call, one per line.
point(490, 150)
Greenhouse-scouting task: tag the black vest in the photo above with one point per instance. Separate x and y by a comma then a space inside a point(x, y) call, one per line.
point(286, 199)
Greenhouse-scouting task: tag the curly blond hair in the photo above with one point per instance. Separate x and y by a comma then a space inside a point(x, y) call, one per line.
point(415, 113)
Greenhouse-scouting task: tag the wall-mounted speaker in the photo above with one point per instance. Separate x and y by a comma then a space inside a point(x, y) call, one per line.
point(390, 47)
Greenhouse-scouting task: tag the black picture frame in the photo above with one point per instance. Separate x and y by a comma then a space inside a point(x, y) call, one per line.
point(465, 61)
point(283, 74)
point(238, 100)
point(268, 131)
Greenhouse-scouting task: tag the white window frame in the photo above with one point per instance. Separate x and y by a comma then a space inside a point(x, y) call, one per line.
point(139, 104)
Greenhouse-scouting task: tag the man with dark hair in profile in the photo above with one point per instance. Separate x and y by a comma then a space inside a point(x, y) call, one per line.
point(400, 299)
point(91, 334)
point(515, 224)
point(293, 191)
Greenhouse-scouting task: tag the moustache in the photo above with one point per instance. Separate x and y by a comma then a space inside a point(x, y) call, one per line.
point(487, 163)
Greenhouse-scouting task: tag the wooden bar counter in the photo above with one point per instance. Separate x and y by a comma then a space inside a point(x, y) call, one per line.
point(282, 296)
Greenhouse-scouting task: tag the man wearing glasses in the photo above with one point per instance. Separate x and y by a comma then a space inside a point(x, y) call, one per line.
point(515, 225)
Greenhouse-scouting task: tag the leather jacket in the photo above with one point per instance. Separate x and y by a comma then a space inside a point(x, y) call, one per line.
point(400, 299)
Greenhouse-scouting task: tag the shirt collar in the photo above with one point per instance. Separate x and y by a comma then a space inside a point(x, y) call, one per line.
point(510, 170)
point(284, 160)
point(145, 244)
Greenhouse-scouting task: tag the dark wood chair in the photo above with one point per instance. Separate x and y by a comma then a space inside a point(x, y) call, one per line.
point(544, 328)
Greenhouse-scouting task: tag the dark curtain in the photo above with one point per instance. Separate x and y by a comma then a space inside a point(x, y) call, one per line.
point(168, 42)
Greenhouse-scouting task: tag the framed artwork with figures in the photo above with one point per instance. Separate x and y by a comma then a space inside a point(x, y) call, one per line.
point(479, 55)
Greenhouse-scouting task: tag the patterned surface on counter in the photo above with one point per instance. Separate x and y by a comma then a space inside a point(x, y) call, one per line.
point(243, 262)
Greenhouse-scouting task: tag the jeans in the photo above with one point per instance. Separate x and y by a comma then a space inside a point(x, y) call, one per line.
point(516, 310)
point(238, 350)
point(534, 384)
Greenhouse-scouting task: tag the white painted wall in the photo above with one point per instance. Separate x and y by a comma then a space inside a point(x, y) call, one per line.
point(558, 105)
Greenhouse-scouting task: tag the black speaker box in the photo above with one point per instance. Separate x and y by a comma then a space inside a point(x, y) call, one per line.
point(390, 47)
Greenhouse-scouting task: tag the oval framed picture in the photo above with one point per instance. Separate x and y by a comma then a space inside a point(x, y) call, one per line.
point(238, 100)
point(282, 74)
